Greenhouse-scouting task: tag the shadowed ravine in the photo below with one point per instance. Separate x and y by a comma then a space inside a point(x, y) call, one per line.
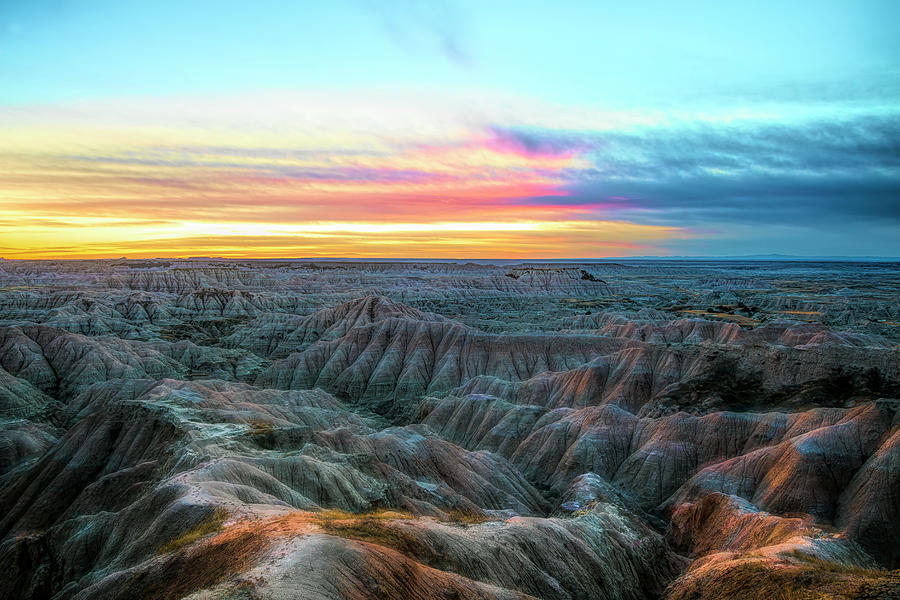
point(265, 430)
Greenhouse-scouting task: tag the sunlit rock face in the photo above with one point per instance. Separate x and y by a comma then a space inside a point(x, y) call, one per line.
point(219, 429)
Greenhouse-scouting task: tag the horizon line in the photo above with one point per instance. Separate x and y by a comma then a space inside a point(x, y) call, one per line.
point(757, 257)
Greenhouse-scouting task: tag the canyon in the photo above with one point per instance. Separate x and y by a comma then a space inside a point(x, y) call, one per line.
point(274, 429)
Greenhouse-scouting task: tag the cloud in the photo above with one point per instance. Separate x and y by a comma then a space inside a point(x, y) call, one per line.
point(430, 24)
point(818, 172)
point(295, 159)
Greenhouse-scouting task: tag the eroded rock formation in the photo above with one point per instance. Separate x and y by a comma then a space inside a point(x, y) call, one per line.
point(197, 429)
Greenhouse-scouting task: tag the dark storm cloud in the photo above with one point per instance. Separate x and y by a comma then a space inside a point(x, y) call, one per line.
point(821, 172)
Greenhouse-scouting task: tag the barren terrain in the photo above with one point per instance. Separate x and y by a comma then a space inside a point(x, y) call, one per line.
point(346, 430)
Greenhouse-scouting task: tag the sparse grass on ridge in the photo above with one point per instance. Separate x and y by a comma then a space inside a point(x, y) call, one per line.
point(211, 524)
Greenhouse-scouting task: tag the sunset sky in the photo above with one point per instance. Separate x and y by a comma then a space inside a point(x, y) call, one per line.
point(369, 128)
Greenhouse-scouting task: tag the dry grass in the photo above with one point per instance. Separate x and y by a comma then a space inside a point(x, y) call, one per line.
point(336, 514)
point(202, 566)
point(828, 566)
point(382, 528)
point(374, 528)
point(467, 517)
point(810, 579)
point(210, 524)
point(260, 428)
point(194, 563)
point(210, 553)
point(750, 580)
point(30, 533)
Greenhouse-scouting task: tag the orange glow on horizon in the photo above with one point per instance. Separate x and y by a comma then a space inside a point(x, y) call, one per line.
point(563, 239)
point(91, 183)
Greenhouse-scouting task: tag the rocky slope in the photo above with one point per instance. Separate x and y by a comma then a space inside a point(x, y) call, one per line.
point(216, 429)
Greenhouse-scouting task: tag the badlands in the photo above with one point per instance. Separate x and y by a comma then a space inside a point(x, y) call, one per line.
point(225, 429)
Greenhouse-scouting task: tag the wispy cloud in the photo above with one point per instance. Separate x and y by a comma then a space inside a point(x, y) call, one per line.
point(430, 25)
point(301, 161)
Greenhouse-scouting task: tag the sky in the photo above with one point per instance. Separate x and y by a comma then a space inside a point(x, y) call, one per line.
point(445, 129)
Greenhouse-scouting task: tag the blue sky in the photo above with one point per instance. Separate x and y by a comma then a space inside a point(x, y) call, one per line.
point(753, 126)
point(649, 53)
